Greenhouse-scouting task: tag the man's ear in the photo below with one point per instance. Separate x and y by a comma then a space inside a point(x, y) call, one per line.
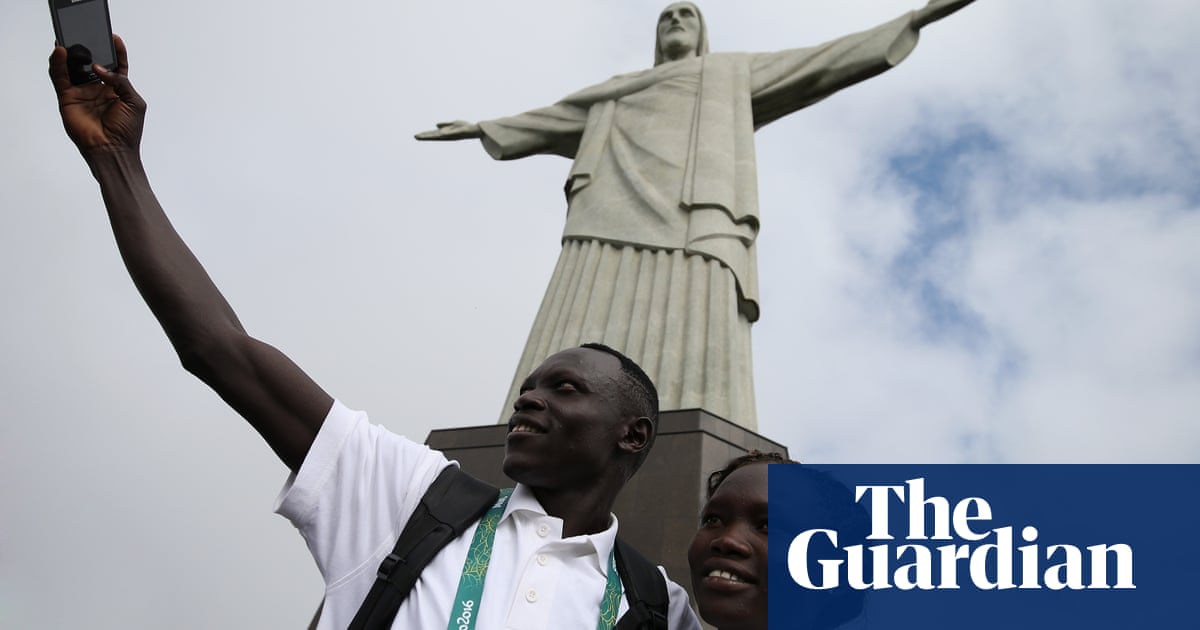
point(638, 436)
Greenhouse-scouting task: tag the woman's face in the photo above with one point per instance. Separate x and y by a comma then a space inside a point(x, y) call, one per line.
point(728, 556)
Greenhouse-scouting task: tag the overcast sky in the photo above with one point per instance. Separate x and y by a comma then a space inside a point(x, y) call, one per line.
point(988, 254)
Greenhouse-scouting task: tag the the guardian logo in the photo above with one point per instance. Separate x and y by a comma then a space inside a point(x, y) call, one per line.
point(947, 546)
point(983, 546)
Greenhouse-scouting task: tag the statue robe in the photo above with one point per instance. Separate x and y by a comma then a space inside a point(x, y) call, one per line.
point(658, 255)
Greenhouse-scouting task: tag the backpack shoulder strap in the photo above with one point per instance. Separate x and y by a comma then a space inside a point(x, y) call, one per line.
point(452, 503)
point(645, 590)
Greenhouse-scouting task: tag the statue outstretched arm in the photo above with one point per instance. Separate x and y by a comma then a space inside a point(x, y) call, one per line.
point(554, 130)
point(786, 81)
point(456, 130)
point(936, 10)
point(105, 120)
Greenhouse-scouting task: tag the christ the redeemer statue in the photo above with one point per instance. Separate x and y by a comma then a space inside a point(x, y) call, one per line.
point(658, 256)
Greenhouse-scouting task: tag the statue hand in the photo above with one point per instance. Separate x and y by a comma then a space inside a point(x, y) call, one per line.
point(457, 130)
point(99, 116)
point(936, 10)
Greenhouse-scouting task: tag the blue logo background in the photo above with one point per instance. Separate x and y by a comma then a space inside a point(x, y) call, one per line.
point(1151, 508)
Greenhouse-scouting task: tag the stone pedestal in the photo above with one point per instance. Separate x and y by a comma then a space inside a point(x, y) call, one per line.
point(659, 508)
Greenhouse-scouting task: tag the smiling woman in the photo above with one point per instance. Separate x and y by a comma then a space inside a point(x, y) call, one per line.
point(728, 556)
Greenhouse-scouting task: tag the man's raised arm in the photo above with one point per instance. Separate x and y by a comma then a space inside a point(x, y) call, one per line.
point(104, 120)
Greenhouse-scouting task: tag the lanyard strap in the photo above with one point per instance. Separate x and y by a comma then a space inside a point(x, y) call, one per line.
point(470, 586)
point(465, 609)
point(610, 604)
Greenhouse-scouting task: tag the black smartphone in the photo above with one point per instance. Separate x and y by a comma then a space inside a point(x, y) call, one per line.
point(83, 28)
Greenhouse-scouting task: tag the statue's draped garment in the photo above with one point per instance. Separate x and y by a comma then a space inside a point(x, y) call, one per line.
point(658, 257)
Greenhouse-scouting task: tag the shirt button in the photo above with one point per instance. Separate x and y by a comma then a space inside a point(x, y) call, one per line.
point(541, 559)
point(543, 530)
point(531, 596)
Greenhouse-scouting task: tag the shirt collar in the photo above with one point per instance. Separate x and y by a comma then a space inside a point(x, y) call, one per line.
point(522, 499)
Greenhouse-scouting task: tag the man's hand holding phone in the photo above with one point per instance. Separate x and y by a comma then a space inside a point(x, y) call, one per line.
point(100, 116)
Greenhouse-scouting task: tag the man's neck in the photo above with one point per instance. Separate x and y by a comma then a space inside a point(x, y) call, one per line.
point(582, 511)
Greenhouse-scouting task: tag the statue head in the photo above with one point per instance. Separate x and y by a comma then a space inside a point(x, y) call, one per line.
point(681, 33)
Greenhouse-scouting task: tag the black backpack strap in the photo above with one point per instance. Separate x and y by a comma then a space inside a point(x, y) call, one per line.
point(645, 590)
point(452, 503)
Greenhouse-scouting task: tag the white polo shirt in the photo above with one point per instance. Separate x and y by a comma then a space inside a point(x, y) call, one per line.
point(357, 488)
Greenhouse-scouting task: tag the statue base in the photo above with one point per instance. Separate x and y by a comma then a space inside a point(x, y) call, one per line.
point(659, 508)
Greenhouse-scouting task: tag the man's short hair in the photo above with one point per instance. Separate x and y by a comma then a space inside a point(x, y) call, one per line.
point(639, 396)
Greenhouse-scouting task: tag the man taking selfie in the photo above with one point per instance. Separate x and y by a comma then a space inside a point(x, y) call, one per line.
point(583, 423)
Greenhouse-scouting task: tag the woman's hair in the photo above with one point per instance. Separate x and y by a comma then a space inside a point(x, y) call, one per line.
point(753, 457)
